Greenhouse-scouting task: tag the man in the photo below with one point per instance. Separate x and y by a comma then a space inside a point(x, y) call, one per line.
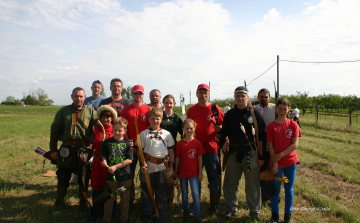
point(227, 108)
point(140, 111)
point(266, 108)
point(296, 115)
point(73, 126)
point(95, 99)
point(242, 154)
point(155, 98)
point(116, 100)
point(206, 133)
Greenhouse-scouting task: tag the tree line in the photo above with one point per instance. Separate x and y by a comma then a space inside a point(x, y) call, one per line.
point(33, 97)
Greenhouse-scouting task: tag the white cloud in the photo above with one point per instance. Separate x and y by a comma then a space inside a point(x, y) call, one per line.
point(273, 16)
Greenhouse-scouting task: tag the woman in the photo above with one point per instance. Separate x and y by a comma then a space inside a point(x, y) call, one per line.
point(106, 115)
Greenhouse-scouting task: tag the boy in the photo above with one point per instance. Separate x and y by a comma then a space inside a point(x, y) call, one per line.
point(158, 147)
point(117, 155)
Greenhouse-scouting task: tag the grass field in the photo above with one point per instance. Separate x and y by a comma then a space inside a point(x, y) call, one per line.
point(327, 187)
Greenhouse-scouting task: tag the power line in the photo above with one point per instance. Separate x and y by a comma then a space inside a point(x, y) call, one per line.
point(261, 74)
point(221, 91)
point(341, 61)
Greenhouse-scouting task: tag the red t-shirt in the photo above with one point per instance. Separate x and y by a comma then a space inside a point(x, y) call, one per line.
point(141, 115)
point(188, 152)
point(281, 135)
point(205, 131)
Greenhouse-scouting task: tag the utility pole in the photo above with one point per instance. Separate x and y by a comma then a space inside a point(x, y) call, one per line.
point(190, 96)
point(278, 91)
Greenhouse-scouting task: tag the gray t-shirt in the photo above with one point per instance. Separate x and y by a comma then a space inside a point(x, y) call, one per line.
point(93, 102)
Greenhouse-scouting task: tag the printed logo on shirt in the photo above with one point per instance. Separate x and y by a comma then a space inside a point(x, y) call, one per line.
point(143, 117)
point(288, 133)
point(250, 120)
point(209, 118)
point(192, 153)
point(87, 122)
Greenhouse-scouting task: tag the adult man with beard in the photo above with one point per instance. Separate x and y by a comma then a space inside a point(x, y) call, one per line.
point(243, 157)
point(140, 111)
point(95, 99)
point(155, 98)
point(206, 133)
point(116, 100)
point(73, 126)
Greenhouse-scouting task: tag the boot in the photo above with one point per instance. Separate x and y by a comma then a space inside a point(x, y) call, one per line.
point(82, 203)
point(274, 217)
point(60, 195)
point(214, 201)
point(287, 218)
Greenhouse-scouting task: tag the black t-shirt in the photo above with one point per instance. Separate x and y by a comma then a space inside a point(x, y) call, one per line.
point(120, 104)
point(116, 152)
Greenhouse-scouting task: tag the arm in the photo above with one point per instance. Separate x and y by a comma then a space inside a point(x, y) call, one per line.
point(103, 161)
point(126, 162)
point(177, 162)
point(171, 159)
point(292, 147)
point(272, 153)
point(200, 164)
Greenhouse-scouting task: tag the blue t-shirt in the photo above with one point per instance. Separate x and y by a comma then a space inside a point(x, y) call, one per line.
point(93, 102)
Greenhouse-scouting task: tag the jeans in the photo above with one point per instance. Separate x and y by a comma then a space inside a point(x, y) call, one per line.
point(195, 191)
point(211, 164)
point(290, 173)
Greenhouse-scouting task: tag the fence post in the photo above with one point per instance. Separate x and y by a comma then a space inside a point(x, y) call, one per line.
point(316, 116)
point(350, 115)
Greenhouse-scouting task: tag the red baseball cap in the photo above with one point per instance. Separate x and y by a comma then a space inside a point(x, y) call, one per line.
point(204, 86)
point(138, 88)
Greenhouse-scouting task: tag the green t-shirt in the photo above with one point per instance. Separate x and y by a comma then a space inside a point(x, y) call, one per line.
point(173, 124)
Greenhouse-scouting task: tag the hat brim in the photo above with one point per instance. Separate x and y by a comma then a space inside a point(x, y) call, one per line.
point(106, 108)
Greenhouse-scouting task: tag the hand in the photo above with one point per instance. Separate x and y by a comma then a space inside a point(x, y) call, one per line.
point(276, 157)
point(199, 178)
point(144, 168)
point(112, 169)
point(171, 170)
point(225, 148)
point(54, 155)
point(275, 168)
point(217, 128)
point(131, 143)
point(261, 163)
point(104, 163)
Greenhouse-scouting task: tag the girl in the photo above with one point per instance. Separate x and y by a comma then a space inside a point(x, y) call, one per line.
point(172, 123)
point(283, 138)
point(188, 166)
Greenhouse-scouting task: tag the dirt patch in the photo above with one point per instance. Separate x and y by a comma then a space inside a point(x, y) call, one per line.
point(345, 191)
point(4, 141)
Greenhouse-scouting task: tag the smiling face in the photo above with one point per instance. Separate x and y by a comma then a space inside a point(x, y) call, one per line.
point(116, 88)
point(96, 89)
point(78, 97)
point(168, 104)
point(202, 95)
point(106, 118)
point(138, 96)
point(118, 132)
point(155, 97)
point(189, 129)
point(155, 122)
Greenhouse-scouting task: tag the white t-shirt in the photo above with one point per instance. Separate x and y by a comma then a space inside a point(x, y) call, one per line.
point(156, 143)
point(226, 109)
point(296, 112)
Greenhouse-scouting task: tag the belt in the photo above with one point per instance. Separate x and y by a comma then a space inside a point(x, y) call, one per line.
point(75, 142)
point(155, 160)
point(246, 144)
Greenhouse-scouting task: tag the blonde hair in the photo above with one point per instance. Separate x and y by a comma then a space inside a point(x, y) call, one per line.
point(121, 121)
point(169, 96)
point(157, 112)
point(191, 121)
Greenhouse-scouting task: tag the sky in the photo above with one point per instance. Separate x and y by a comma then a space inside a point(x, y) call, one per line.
point(175, 45)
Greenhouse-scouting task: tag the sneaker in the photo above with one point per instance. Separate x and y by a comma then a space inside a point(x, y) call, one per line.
point(228, 215)
point(274, 217)
point(287, 218)
point(186, 215)
point(198, 219)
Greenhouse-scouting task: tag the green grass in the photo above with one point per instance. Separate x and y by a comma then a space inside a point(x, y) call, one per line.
point(327, 187)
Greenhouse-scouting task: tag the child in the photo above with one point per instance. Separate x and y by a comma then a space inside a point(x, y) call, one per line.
point(283, 138)
point(188, 164)
point(157, 146)
point(117, 155)
point(172, 123)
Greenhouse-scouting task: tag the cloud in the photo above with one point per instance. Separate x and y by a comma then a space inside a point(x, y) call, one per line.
point(273, 16)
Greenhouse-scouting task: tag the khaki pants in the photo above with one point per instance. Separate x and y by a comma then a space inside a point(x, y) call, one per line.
point(233, 173)
point(124, 200)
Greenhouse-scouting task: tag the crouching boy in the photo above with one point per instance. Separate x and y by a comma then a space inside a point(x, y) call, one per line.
point(116, 155)
point(158, 148)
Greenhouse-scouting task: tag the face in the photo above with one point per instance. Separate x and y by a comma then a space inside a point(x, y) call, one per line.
point(78, 98)
point(202, 95)
point(264, 98)
point(154, 121)
point(169, 103)
point(138, 96)
point(189, 129)
point(118, 131)
point(116, 88)
point(106, 119)
point(96, 89)
point(282, 110)
point(241, 99)
point(155, 97)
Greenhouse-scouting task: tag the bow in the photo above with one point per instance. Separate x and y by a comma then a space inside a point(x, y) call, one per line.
point(142, 160)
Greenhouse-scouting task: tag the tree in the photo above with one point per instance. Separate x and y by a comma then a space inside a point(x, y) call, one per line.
point(126, 93)
point(38, 97)
point(102, 93)
point(302, 101)
point(10, 100)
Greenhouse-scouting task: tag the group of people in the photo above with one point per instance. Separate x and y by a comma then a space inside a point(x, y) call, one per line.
point(121, 132)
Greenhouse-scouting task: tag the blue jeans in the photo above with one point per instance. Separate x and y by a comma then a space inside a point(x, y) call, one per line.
point(211, 164)
point(195, 191)
point(290, 173)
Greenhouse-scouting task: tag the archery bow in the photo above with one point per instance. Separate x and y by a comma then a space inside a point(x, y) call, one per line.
point(142, 160)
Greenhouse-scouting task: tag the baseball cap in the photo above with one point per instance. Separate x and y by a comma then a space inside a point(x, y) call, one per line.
point(204, 86)
point(138, 88)
point(241, 89)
